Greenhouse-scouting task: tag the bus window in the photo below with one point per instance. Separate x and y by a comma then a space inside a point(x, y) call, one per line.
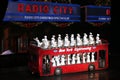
point(102, 58)
point(46, 64)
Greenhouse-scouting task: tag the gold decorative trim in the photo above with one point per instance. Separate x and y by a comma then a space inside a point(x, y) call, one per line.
point(27, 24)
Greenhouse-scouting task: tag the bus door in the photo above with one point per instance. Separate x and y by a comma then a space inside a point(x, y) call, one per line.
point(46, 64)
point(102, 58)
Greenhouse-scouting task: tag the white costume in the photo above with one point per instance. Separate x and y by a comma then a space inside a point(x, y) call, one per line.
point(91, 39)
point(84, 58)
point(45, 42)
point(38, 42)
point(69, 59)
point(60, 41)
point(57, 58)
point(98, 41)
point(73, 41)
point(93, 57)
point(66, 41)
point(78, 40)
point(73, 59)
point(85, 40)
point(63, 60)
point(88, 57)
point(53, 42)
point(78, 58)
point(53, 62)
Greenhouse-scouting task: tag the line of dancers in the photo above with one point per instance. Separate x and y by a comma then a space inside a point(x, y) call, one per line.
point(68, 41)
point(69, 59)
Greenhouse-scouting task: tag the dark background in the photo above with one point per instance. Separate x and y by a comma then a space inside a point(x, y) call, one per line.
point(13, 67)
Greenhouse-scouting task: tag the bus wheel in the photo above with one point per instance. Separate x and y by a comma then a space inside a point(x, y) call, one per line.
point(91, 68)
point(58, 71)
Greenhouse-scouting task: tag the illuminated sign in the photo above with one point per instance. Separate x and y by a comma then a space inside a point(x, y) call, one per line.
point(42, 11)
point(76, 49)
point(97, 14)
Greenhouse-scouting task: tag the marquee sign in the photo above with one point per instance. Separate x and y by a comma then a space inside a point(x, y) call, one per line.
point(97, 14)
point(42, 11)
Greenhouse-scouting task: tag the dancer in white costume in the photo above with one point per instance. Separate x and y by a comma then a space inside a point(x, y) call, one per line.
point(38, 42)
point(63, 60)
point(84, 57)
point(91, 39)
point(69, 59)
point(53, 62)
point(66, 41)
point(72, 40)
point(78, 58)
point(78, 40)
point(73, 58)
point(53, 42)
point(57, 58)
point(88, 57)
point(60, 41)
point(93, 57)
point(45, 42)
point(98, 41)
point(85, 40)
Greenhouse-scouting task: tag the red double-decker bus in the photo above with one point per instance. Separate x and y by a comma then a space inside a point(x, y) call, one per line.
point(57, 61)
